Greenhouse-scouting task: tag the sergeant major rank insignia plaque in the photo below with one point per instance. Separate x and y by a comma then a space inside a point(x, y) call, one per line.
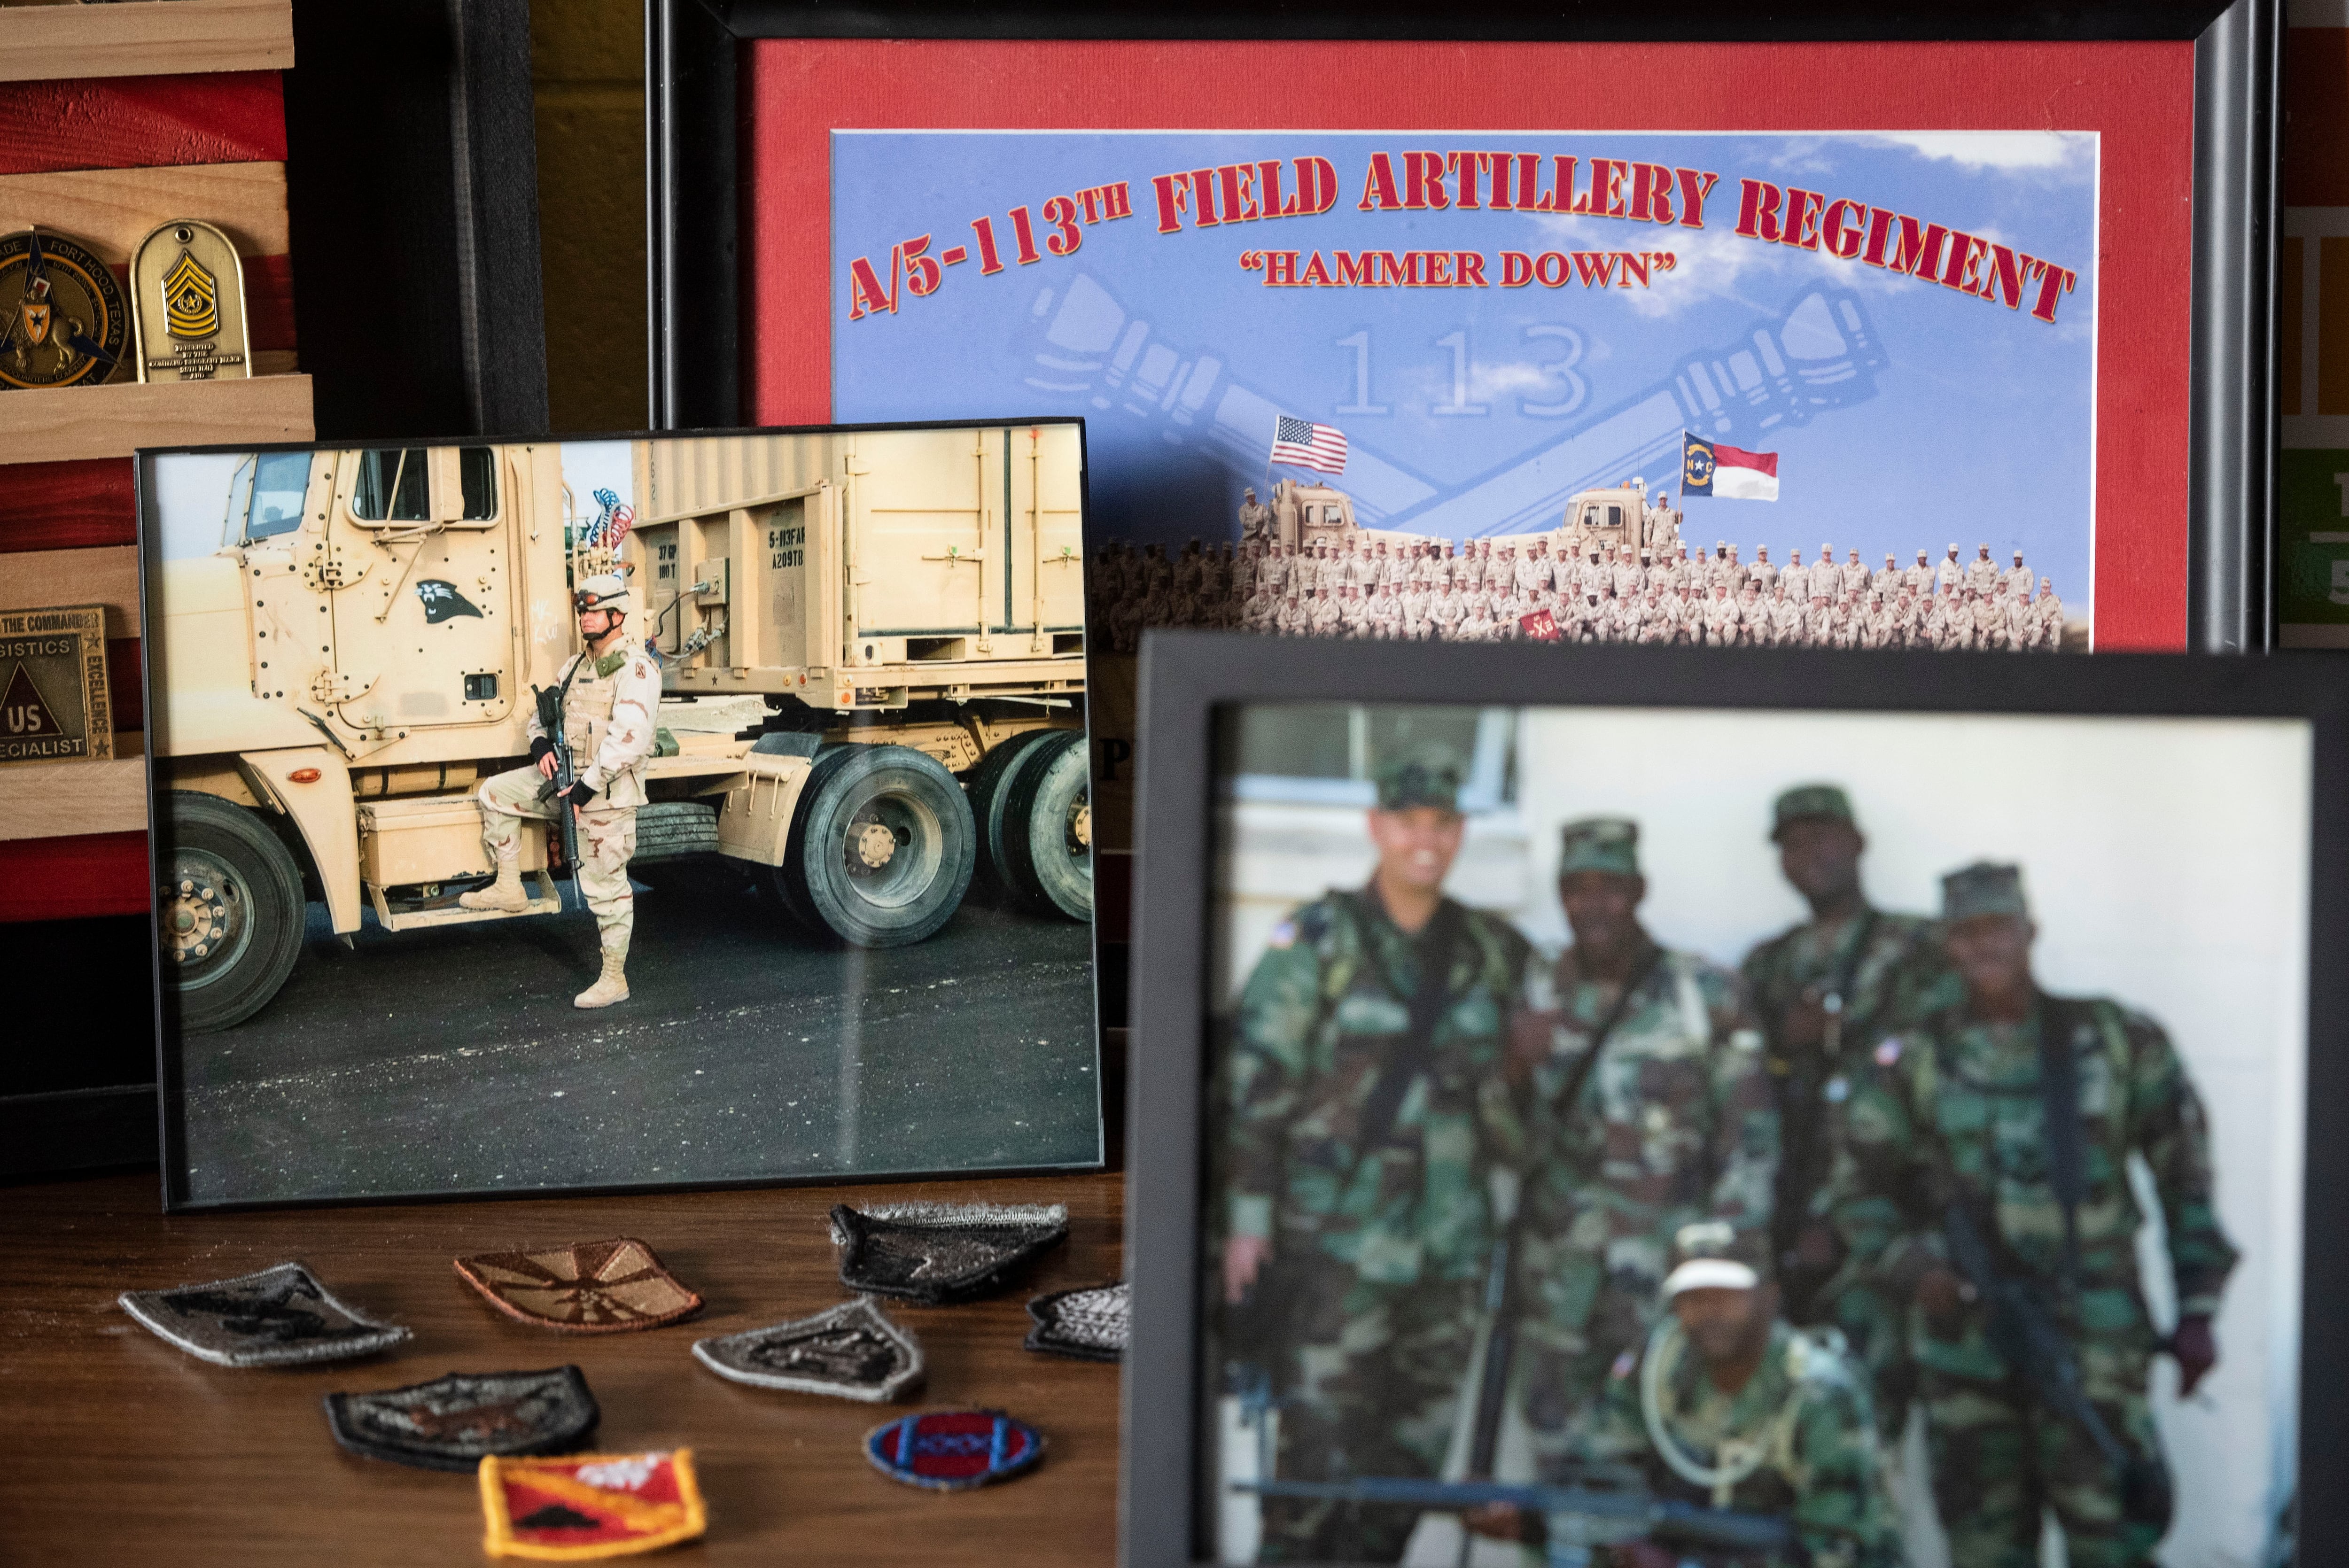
point(189, 288)
point(53, 691)
point(62, 317)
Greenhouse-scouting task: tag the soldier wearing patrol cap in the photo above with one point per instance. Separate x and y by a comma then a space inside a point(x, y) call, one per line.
point(1640, 1105)
point(1727, 1406)
point(611, 694)
point(1825, 991)
point(1356, 1221)
point(2002, 1127)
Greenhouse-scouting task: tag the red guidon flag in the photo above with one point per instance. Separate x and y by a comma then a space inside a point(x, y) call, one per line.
point(1541, 627)
point(572, 1507)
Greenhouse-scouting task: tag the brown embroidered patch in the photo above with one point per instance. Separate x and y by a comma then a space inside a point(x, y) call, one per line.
point(590, 1287)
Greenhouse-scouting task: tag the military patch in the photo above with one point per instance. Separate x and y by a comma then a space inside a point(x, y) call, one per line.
point(938, 1253)
point(1090, 1324)
point(852, 1351)
point(590, 1505)
point(281, 1317)
point(953, 1450)
point(590, 1287)
point(453, 1423)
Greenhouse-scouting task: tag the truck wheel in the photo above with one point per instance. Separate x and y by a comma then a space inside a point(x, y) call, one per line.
point(989, 786)
point(881, 848)
point(1048, 828)
point(230, 910)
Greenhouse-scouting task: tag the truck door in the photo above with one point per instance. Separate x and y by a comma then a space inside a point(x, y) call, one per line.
point(426, 628)
point(924, 536)
point(1043, 581)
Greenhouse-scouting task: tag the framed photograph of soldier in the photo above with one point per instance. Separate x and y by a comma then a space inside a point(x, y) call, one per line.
point(623, 811)
point(1865, 1118)
point(1382, 336)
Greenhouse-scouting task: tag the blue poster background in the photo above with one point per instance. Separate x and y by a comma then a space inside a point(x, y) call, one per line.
point(1906, 415)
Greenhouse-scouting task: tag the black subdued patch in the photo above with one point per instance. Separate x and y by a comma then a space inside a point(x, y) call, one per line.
point(279, 1317)
point(453, 1422)
point(443, 602)
point(852, 1351)
point(1090, 1323)
point(939, 1252)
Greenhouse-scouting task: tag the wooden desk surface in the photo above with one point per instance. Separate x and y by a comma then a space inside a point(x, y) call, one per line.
point(119, 1449)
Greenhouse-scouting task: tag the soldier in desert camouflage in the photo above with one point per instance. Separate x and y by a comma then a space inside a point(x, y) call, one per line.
point(611, 693)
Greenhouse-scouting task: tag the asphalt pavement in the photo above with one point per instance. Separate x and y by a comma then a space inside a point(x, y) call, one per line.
point(452, 1060)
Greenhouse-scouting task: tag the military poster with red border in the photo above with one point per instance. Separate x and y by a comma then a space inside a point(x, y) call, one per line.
point(1440, 341)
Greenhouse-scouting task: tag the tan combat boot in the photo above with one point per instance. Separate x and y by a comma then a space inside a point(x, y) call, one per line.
point(611, 986)
point(505, 893)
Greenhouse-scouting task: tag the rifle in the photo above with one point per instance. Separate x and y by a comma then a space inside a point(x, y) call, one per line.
point(550, 720)
point(1665, 1520)
point(2023, 1333)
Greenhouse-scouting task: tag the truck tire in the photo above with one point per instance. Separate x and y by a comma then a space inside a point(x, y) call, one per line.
point(988, 786)
point(1048, 828)
point(671, 830)
point(230, 910)
point(881, 848)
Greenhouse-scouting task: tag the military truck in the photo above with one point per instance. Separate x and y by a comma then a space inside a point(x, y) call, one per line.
point(1306, 515)
point(895, 615)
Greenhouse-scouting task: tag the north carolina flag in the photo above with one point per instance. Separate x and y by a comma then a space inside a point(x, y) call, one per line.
point(1708, 468)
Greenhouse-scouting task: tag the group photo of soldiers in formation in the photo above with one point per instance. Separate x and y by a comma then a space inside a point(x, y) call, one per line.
point(1430, 590)
point(1700, 1237)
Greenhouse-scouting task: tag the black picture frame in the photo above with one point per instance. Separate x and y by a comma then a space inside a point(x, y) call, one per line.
point(694, 172)
point(106, 1121)
point(1188, 678)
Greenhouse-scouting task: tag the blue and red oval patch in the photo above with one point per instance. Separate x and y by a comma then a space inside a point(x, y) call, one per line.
point(953, 1450)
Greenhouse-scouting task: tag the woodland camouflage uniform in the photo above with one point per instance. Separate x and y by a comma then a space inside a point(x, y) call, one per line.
point(1807, 1407)
point(1897, 973)
point(1959, 1107)
point(1674, 1124)
point(1365, 1314)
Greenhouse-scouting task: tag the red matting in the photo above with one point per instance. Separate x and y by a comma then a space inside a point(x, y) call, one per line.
point(74, 876)
point(141, 122)
point(2140, 98)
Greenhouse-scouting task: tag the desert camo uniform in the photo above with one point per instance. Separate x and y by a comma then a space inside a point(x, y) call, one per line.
point(609, 704)
point(1897, 973)
point(1672, 1124)
point(1798, 1437)
point(1957, 1108)
point(1377, 1254)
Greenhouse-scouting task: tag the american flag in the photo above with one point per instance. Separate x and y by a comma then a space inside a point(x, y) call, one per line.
point(1307, 445)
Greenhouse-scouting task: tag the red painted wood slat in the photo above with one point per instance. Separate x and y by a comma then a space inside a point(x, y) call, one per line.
point(141, 122)
point(71, 878)
point(68, 506)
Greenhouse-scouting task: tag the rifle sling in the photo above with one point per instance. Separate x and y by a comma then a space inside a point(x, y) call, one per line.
point(1500, 1343)
point(2059, 1101)
point(1415, 1047)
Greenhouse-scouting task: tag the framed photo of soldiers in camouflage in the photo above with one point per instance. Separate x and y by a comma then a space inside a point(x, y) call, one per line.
point(1638, 1107)
point(631, 811)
